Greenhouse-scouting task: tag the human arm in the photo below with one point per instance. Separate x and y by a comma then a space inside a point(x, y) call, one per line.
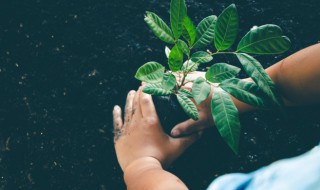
point(297, 77)
point(143, 149)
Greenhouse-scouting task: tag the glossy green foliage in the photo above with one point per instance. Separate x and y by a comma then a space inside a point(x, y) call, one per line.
point(264, 40)
point(226, 29)
point(183, 47)
point(220, 72)
point(185, 92)
point(175, 58)
point(225, 115)
point(222, 33)
point(159, 27)
point(205, 32)
point(156, 90)
point(188, 106)
point(246, 91)
point(167, 51)
point(151, 72)
point(200, 90)
point(254, 69)
point(178, 12)
point(201, 57)
point(169, 81)
point(189, 31)
point(189, 66)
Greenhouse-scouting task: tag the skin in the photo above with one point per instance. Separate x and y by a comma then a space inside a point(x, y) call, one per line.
point(144, 150)
point(297, 78)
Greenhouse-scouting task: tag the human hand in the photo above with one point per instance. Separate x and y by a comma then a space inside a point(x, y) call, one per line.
point(205, 118)
point(141, 135)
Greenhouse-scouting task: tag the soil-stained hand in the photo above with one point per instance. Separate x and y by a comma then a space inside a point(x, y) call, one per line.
point(205, 118)
point(141, 134)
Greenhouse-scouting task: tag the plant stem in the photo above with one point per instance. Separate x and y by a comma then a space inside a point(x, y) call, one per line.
point(217, 53)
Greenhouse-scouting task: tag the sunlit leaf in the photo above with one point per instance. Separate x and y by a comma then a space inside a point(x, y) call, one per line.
point(221, 71)
point(167, 51)
point(247, 92)
point(254, 69)
point(188, 106)
point(151, 72)
point(205, 32)
point(183, 47)
point(156, 90)
point(169, 81)
point(201, 57)
point(225, 116)
point(190, 66)
point(185, 92)
point(175, 59)
point(200, 90)
point(189, 31)
point(263, 40)
point(178, 11)
point(226, 28)
point(159, 27)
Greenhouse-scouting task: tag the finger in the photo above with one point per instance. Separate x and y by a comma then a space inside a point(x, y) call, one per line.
point(185, 128)
point(136, 110)
point(180, 144)
point(147, 106)
point(117, 122)
point(128, 109)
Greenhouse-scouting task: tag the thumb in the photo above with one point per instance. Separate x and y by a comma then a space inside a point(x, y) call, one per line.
point(187, 127)
point(182, 143)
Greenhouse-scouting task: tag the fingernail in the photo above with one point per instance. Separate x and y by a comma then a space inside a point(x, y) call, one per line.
point(116, 107)
point(132, 92)
point(175, 133)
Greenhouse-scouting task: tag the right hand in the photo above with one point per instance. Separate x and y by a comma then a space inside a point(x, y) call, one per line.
point(205, 118)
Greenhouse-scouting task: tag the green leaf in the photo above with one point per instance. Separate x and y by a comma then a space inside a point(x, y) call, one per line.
point(175, 59)
point(169, 81)
point(156, 90)
point(264, 40)
point(151, 72)
point(189, 31)
point(221, 71)
point(189, 66)
point(200, 90)
point(167, 51)
point(178, 11)
point(245, 91)
point(183, 47)
point(201, 57)
point(159, 27)
point(226, 29)
point(205, 32)
point(254, 69)
point(188, 106)
point(226, 118)
point(185, 92)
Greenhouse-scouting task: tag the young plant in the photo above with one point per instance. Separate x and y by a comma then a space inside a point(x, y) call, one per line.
point(219, 32)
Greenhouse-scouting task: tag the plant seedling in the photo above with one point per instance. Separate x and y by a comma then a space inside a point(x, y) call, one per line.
point(219, 33)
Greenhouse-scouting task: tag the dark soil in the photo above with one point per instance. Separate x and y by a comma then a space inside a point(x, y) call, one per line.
point(169, 111)
point(65, 64)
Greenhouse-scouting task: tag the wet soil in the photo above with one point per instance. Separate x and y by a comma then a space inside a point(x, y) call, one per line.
point(65, 64)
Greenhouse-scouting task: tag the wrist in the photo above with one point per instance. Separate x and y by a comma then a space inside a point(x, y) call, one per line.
point(139, 167)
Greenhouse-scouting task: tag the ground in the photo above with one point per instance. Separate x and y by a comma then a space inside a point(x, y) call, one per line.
point(64, 64)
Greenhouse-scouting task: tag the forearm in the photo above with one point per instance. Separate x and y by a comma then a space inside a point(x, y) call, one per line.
point(297, 77)
point(148, 174)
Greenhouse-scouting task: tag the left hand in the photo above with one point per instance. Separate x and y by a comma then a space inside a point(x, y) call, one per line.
point(141, 134)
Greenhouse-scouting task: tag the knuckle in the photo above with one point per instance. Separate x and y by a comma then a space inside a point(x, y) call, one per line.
point(145, 100)
point(151, 120)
